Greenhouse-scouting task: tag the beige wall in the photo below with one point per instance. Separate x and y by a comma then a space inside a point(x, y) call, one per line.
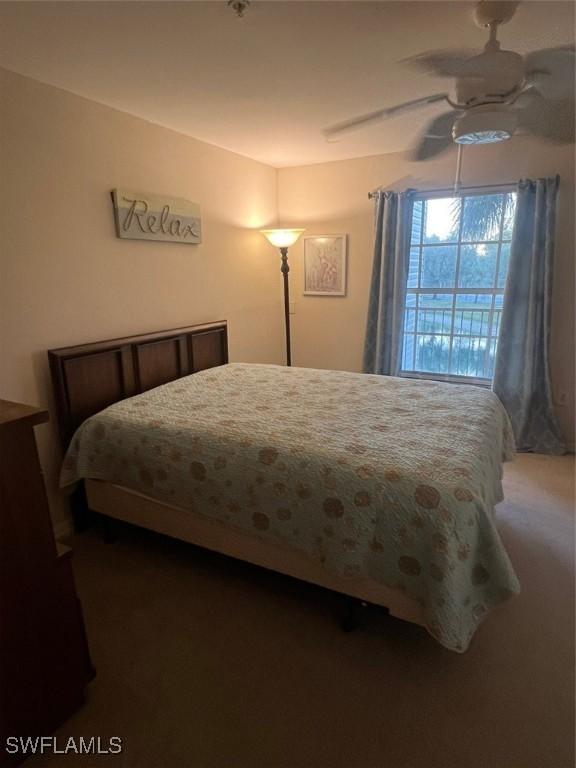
point(332, 198)
point(66, 279)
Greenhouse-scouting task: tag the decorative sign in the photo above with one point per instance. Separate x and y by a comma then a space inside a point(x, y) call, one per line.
point(140, 216)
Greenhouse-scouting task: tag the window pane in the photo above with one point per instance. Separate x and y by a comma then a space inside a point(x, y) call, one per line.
point(432, 353)
point(417, 219)
point(481, 217)
point(439, 266)
point(469, 355)
point(496, 322)
point(435, 300)
point(503, 266)
point(414, 268)
point(410, 321)
point(491, 357)
point(462, 364)
point(473, 301)
point(408, 352)
point(435, 313)
point(471, 323)
point(509, 213)
point(435, 320)
point(442, 218)
point(477, 266)
point(472, 315)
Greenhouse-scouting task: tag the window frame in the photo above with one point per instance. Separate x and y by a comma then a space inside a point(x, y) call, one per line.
point(423, 195)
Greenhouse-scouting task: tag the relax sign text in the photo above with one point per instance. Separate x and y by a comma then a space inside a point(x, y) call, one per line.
point(140, 216)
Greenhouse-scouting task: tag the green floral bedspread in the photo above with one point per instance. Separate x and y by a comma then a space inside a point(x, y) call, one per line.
point(387, 478)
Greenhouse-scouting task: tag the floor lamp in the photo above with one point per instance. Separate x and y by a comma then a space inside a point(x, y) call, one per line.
point(283, 239)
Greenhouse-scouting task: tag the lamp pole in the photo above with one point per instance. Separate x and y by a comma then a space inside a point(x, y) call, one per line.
point(283, 239)
point(285, 269)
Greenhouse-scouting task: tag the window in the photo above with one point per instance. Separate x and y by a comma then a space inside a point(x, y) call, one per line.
point(459, 250)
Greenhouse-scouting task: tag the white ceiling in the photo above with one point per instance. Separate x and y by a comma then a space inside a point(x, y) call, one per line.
point(263, 85)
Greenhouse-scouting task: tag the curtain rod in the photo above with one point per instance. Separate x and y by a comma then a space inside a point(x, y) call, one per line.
point(376, 192)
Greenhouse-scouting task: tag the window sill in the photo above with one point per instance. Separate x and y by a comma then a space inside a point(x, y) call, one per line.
point(447, 378)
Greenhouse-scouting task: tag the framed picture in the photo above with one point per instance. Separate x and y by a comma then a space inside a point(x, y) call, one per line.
point(325, 265)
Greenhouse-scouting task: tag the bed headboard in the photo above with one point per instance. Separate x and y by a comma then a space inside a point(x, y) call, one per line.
point(89, 377)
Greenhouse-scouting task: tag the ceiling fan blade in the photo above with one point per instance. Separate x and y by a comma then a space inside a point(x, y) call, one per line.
point(552, 121)
point(436, 138)
point(334, 132)
point(568, 48)
point(551, 71)
point(430, 147)
point(407, 106)
point(447, 62)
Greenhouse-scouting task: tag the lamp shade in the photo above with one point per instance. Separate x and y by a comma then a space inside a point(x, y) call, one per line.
point(282, 238)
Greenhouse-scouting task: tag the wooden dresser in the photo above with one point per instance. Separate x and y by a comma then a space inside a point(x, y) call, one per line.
point(44, 658)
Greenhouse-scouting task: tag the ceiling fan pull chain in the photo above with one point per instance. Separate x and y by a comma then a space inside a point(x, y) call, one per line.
point(457, 181)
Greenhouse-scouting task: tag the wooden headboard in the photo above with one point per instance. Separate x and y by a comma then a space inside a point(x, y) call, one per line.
point(90, 377)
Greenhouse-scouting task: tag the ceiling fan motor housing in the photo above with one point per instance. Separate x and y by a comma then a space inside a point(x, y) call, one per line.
point(484, 125)
point(489, 76)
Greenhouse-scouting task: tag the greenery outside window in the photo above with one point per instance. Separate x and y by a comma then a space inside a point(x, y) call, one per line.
point(459, 251)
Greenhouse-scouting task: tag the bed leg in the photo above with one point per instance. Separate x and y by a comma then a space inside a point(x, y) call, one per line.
point(108, 529)
point(354, 613)
point(82, 516)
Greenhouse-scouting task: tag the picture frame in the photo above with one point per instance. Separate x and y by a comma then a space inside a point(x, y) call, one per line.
point(325, 258)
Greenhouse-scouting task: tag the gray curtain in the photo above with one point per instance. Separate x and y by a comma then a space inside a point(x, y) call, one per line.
point(521, 372)
point(382, 349)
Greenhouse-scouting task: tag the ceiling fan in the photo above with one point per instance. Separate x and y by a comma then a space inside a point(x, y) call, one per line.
point(497, 92)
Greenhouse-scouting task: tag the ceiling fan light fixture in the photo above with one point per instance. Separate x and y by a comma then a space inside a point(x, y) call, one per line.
point(483, 137)
point(484, 125)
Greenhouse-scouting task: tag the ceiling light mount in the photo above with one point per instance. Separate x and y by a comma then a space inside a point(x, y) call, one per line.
point(491, 13)
point(239, 6)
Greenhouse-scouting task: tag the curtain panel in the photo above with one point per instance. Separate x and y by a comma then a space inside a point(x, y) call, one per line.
point(521, 373)
point(385, 323)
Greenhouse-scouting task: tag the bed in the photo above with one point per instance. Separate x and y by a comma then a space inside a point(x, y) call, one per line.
point(377, 487)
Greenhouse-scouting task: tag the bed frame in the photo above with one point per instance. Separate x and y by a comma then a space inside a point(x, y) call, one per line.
point(90, 377)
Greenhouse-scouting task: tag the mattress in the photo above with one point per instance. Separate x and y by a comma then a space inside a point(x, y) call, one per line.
point(374, 477)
